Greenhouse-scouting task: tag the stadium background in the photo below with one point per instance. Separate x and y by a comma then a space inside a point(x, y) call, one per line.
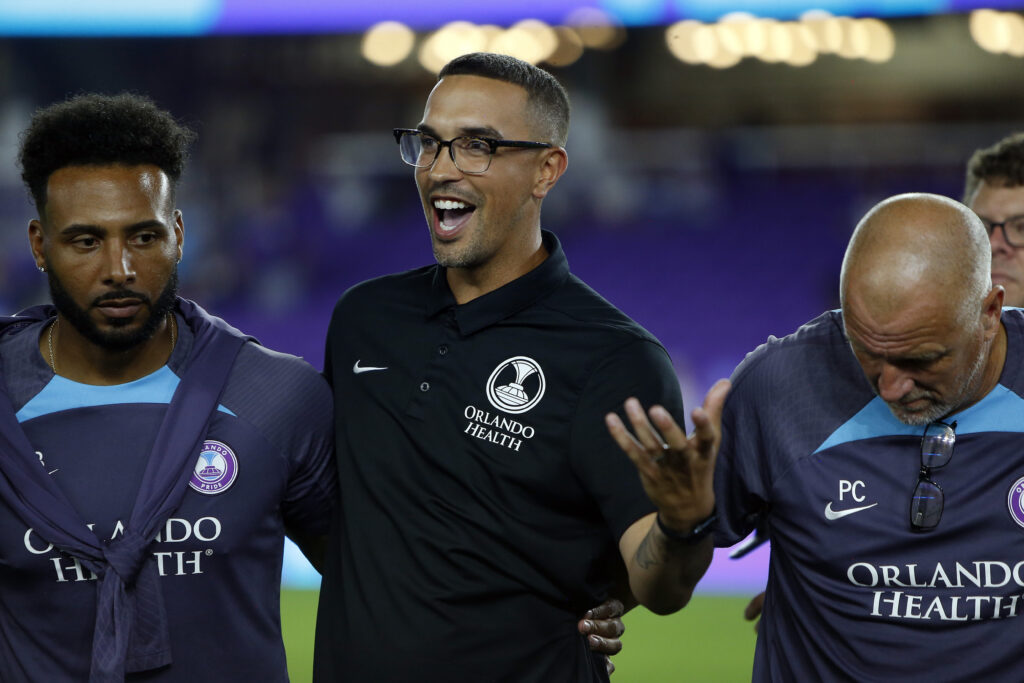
point(710, 193)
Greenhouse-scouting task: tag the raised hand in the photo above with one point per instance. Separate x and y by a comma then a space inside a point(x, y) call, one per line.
point(676, 470)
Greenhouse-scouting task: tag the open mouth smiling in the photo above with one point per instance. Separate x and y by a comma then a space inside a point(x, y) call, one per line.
point(452, 214)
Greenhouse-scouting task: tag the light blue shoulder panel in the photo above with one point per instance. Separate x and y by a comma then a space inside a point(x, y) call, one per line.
point(1000, 411)
point(61, 393)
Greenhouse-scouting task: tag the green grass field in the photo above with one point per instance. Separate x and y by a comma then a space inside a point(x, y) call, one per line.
point(708, 642)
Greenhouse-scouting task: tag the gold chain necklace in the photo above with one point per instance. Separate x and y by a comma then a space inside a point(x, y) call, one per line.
point(49, 343)
point(172, 321)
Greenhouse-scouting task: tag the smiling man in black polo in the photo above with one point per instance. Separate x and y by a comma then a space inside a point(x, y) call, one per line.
point(484, 504)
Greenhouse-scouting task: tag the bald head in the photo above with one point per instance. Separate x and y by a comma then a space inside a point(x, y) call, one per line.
point(917, 246)
point(920, 313)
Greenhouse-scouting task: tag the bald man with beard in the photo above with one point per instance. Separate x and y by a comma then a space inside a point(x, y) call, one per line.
point(993, 189)
point(883, 444)
point(914, 276)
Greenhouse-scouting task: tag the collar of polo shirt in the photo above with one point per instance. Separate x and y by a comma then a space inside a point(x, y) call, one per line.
point(505, 301)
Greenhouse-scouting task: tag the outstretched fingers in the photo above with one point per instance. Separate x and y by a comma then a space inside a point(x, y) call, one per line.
point(643, 444)
point(630, 446)
point(645, 432)
point(656, 439)
point(675, 437)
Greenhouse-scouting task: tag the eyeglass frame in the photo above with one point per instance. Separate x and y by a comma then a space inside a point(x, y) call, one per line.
point(924, 477)
point(493, 143)
point(990, 227)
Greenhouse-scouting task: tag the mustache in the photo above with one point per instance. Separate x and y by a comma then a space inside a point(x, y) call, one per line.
point(917, 397)
point(451, 189)
point(912, 399)
point(119, 294)
point(906, 400)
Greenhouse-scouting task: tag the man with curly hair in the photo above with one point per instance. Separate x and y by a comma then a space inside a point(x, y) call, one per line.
point(152, 458)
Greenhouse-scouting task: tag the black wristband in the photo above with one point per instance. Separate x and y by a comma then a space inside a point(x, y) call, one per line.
point(695, 535)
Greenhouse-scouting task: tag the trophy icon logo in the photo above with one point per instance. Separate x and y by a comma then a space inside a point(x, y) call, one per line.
point(516, 385)
point(216, 468)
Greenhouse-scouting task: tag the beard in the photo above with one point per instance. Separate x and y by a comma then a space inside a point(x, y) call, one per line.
point(971, 380)
point(471, 256)
point(479, 246)
point(114, 340)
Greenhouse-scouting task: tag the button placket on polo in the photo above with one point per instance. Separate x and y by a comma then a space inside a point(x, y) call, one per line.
point(438, 362)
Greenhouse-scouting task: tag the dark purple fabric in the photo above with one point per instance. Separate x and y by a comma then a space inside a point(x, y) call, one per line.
point(131, 631)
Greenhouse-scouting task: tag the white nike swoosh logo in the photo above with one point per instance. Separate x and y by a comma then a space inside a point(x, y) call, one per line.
point(365, 368)
point(831, 514)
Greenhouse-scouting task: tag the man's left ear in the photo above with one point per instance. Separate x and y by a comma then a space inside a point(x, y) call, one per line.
point(553, 166)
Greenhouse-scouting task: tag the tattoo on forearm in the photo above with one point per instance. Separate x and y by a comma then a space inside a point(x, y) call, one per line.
point(653, 551)
point(646, 557)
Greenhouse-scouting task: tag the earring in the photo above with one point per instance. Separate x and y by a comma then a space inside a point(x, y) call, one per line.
point(41, 269)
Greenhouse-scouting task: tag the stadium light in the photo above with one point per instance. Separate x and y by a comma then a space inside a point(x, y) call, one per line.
point(387, 43)
point(569, 49)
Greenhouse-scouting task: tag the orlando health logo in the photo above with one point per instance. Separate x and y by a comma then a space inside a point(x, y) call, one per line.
point(216, 469)
point(516, 385)
point(508, 388)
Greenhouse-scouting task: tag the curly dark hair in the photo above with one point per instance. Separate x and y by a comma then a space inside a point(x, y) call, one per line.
point(547, 97)
point(1001, 164)
point(94, 129)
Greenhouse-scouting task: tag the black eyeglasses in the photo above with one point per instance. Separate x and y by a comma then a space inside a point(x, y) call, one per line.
point(470, 154)
point(1013, 229)
point(936, 451)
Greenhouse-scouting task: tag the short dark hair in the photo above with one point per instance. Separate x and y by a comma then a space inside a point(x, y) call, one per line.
point(545, 95)
point(94, 129)
point(1001, 164)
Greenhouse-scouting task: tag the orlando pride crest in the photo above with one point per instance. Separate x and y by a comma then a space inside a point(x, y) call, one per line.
point(216, 469)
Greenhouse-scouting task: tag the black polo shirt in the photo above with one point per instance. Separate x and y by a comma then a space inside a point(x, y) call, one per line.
point(482, 497)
